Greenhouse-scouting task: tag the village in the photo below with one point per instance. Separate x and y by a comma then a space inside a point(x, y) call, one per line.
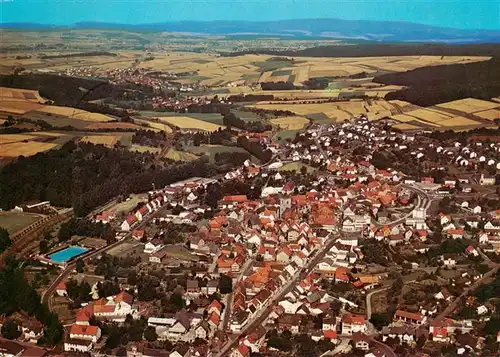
point(377, 244)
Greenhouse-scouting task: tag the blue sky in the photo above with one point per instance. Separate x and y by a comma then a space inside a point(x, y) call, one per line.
point(464, 14)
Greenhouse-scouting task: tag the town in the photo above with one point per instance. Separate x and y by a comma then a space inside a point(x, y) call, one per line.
point(379, 243)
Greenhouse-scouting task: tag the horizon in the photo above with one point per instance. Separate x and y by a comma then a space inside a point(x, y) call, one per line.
point(481, 15)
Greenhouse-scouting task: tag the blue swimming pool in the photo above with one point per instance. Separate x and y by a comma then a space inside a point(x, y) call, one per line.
point(66, 254)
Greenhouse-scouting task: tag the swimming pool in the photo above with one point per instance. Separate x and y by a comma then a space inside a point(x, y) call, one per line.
point(66, 254)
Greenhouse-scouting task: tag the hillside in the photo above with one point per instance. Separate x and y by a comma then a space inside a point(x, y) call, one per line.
point(432, 85)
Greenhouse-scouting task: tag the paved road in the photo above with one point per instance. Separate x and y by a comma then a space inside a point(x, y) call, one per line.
point(69, 268)
point(264, 312)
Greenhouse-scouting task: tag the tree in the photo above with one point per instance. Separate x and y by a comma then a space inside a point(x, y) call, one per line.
point(5, 240)
point(79, 266)
point(225, 284)
point(11, 330)
point(380, 320)
point(150, 334)
point(44, 247)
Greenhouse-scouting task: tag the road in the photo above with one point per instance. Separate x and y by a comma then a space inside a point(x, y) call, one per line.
point(228, 312)
point(451, 307)
point(69, 268)
point(264, 312)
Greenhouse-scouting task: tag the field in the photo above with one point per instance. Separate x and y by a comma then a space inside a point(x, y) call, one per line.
point(185, 122)
point(176, 155)
point(469, 105)
point(28, 148)
point(290, 123)
point(106, 140)
point(462, 114)
point(20, 94)
point(335, 111)
point(140, 148)
point(296, 166)
point(15, 221)
point(211, 150)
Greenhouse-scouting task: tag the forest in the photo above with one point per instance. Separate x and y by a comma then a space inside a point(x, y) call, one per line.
point(438, 84)
point(84, 176)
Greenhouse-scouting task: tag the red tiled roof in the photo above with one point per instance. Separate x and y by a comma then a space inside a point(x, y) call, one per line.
point(84, 330)
point(236, 198)
point(330, 334)
point(408, 315)
point(354, 319)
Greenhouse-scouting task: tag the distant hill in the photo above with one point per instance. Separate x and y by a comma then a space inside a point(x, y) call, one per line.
point(362, 30)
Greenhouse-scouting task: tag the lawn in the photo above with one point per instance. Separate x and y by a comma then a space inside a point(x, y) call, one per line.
point(211, 150)
point(15, 221)
point(296, 166)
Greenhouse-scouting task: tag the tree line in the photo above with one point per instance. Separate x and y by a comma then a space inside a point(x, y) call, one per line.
point(255, 148)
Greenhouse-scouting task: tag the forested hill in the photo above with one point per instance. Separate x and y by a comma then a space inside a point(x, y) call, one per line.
point(438, 84)
point(85, 176)
point(387, 49)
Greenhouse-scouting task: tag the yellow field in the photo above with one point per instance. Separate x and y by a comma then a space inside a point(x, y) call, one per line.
point(400, 103)
point(75, 113)
point(106, 140)
point(491, 114)
point(430, 115)
point(24, 148)
point(405, 126)
point(458, 121)
point(337, 110)
point(18, 106)
point(290, 123)
point(190, 123)
point(469, 105)
point(14, 138)
point(154, 125)
point(20, 94)
point(406, 118)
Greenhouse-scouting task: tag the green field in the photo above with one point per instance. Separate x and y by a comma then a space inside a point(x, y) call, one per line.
point(211, 150)
point(15, 221)
point(296, 166)
point(286, 134)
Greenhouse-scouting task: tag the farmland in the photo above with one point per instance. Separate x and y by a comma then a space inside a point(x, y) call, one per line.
point(176, 155)
point(460, 114)
point(290, 123)
point(15, 221)
point(185, 122)
point(211, 150)
point(106, 140)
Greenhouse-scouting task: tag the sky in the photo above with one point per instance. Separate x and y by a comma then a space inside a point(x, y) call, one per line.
point(463, 14)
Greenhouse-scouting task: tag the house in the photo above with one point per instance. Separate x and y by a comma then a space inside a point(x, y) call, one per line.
point(82, 332)
point(487, 180)
point(138, 234)
point(61, 289)
point(192, 287)
point(470, 250)
point(81, 338)
point(153, 246)
point(449, 260)
point(241, 351)
point(129, 222)
point(238, 320)
point(290, 322)
point(457, 233)
point(353, 323)
point(409, 317)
